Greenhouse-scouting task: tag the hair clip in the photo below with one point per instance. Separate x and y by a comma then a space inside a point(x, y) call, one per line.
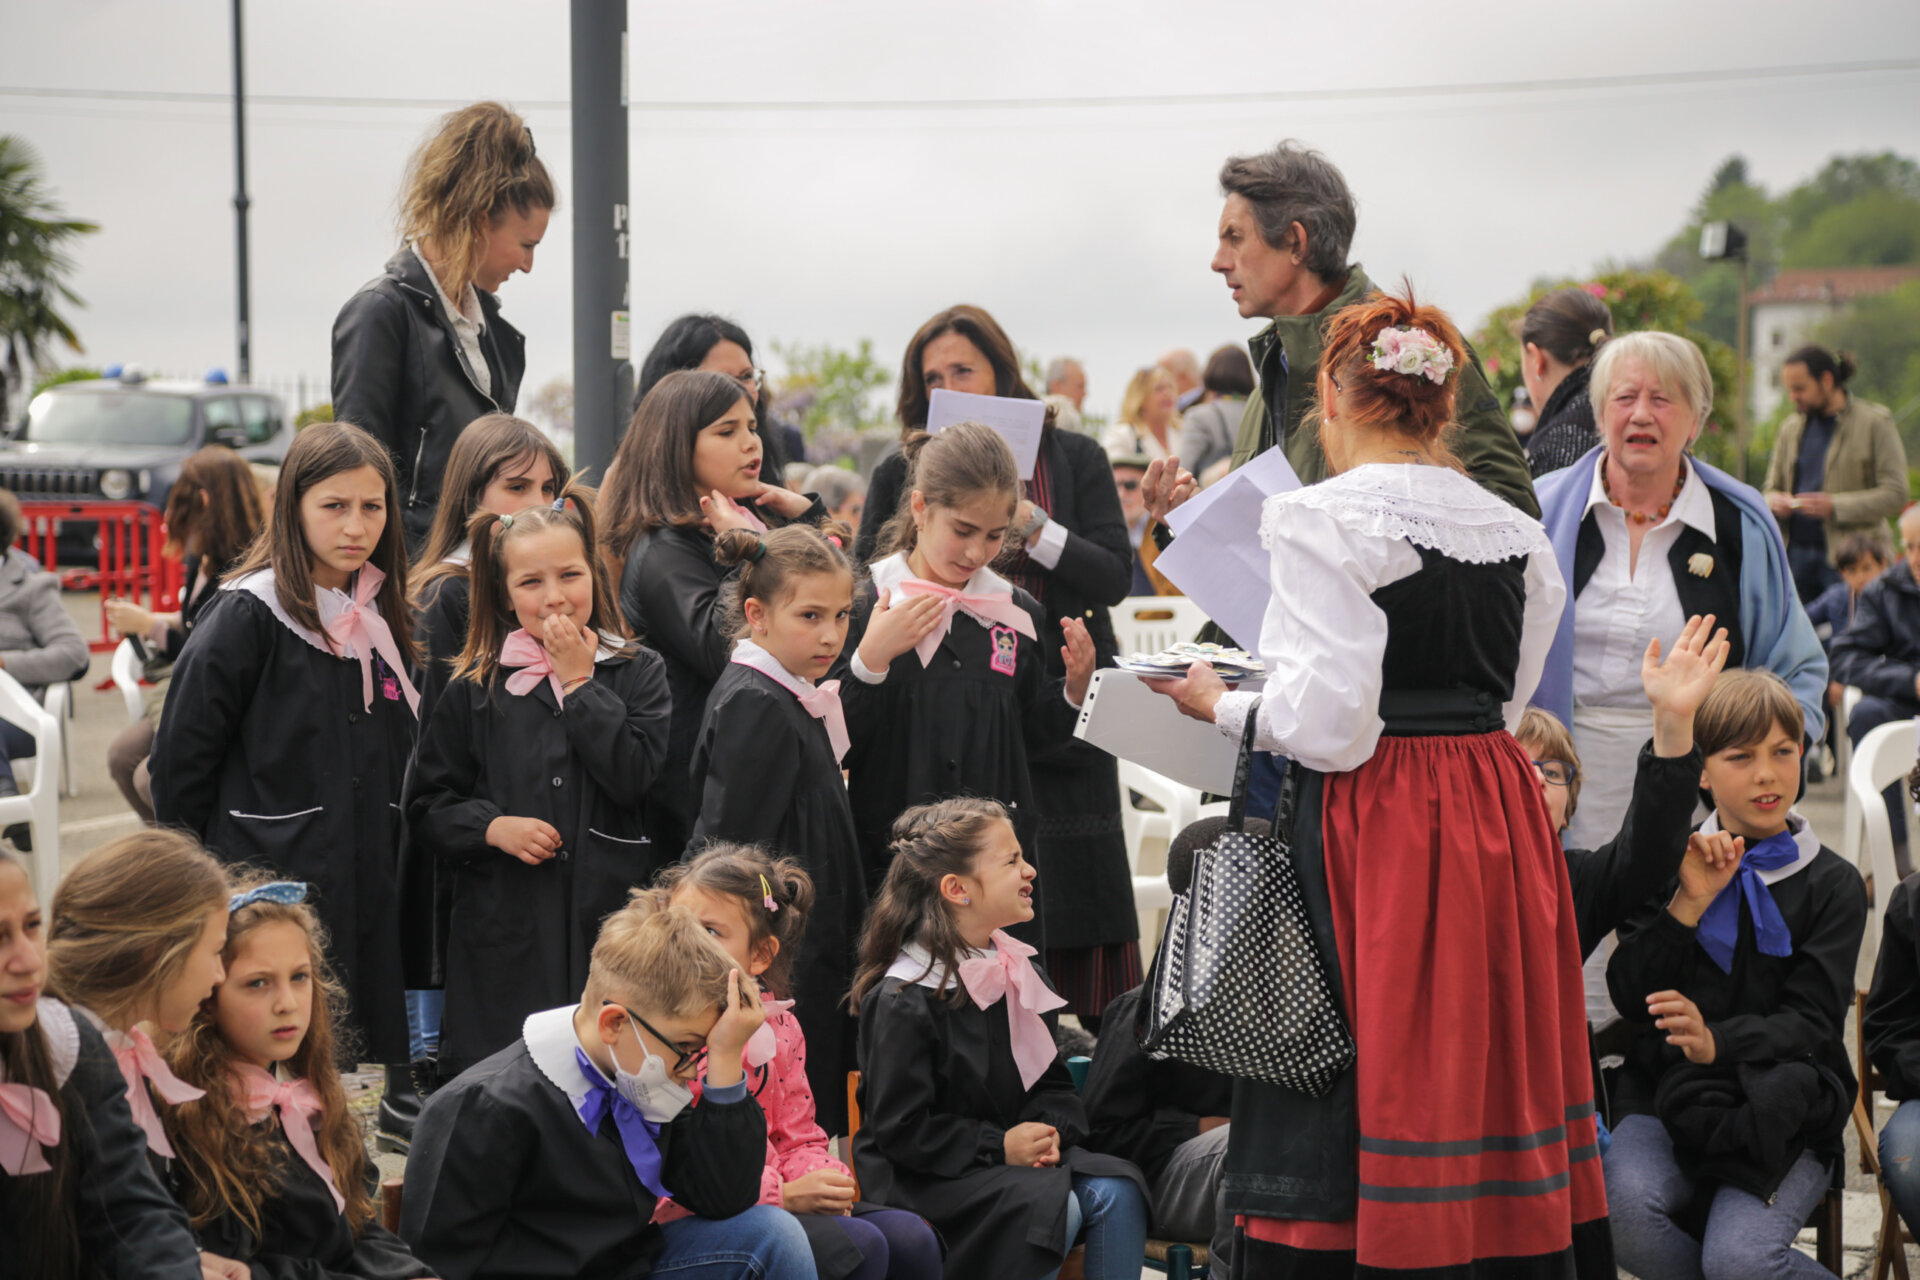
point(767, 901)
point(285, 892)
point(506, 522)
point(759, 550)
point(560, 504)
point(838, 545)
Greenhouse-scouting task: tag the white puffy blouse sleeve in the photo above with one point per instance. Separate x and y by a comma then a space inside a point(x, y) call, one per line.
point(1323, 639)
point(1546, 596)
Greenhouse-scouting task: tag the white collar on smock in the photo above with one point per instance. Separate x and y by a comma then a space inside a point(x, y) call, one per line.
point(749, 654)
point(1803, 839)
point(330, 602)
point(889, 573)
point(550, 1043)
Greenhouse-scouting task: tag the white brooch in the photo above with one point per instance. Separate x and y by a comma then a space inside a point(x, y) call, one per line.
point(1700, 564)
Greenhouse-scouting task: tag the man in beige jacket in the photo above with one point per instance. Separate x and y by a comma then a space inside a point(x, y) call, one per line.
point(1838, 467)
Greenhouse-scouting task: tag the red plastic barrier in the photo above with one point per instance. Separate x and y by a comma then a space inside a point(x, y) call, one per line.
point(132, 538)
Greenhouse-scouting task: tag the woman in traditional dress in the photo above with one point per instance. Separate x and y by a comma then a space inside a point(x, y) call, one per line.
point(1411, 613)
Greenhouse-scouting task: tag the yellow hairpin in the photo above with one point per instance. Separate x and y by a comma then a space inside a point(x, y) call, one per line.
point(767, 901)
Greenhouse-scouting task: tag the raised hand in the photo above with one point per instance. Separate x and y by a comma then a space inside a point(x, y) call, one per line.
point(1080, 656)
point(1680, 684)
point(897, 627)
point(1166, 486)
point(738, 1021)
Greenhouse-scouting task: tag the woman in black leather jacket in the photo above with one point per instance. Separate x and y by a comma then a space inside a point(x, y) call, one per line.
point(420, 351)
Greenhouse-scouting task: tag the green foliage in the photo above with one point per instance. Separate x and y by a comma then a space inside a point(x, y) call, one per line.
point(35, 237)
point(1881, 227)
point(1845, 179)
point(1883, 333)
point(837, 386)
point(322, 412)
point(60, 377)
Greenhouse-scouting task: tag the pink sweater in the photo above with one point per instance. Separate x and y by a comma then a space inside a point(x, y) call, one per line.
point(796, 1145)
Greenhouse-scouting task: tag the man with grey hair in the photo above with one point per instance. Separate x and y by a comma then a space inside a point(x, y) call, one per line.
point(1066, 378)
point(1184, 366)
point(1284, 233)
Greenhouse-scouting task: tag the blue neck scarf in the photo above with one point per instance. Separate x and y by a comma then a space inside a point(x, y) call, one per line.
point(638, 1136)
point(1719, 927)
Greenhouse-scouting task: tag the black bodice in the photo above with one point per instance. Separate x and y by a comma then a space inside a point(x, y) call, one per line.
point(1454, 625)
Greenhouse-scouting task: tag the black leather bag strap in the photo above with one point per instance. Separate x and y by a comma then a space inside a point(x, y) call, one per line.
point(1243, 775)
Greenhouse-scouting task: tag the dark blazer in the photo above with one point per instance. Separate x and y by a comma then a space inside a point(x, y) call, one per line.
point(398, 372)
point(1718, 593)
point(1613, 882)
point(1142, 1108)
point(1880, 649)
point(1892, 1018)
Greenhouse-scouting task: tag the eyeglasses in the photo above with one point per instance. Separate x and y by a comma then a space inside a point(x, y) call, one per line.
point(1557, 773)
point(1128, 486)
point(683, 1057)
point(752, 379)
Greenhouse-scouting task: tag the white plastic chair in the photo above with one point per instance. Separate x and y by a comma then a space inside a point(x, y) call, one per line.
point(126, 678)
point(39, 805)
point(1179, 805)
point(1843, 768)
point(59, 704)
point(1148, 624)
point(1883, 757)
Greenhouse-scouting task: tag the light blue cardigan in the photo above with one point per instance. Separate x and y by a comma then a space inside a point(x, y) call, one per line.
point(1778, 636)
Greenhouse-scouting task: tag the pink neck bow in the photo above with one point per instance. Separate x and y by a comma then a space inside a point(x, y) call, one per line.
point(764, 1045)
point(523, 651)
point(140, 1063)
point(29, 1120)
point(1009, 972)
point(822, 701)
point(300, 1111)
point(996, 606)
point(361, 626)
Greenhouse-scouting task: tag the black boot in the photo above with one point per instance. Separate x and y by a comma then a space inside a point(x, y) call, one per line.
point(399, 1108)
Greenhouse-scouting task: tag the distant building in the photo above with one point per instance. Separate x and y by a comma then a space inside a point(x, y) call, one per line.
point(1789, 308)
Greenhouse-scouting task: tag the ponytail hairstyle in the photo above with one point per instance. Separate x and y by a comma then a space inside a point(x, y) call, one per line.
point(1820, 361)
point(213, 509)
point(126, 920)
point(319, 452)
point(43, 1202)
point(1410, 404)
point(1571, 325)
point(775, 895)
point(930, 842)
point(769, 563)
point(226, 1164)
point(652, 469)
point(487, 447)
point(961, 463)
point(490, 617)
point(462, 180)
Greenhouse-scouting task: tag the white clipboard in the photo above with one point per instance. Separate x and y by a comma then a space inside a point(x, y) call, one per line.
point(1124, 718)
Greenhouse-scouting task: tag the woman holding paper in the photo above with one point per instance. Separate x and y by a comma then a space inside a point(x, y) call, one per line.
point(1069, 549)
point(1410, 616)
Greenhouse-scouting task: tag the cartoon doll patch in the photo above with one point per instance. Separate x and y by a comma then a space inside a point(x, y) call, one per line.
point(1006, 650)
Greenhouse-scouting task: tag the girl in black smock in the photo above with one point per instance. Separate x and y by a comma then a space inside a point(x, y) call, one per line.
point(530, 780)
point(687, 469)
point(767, 770)
point(290, 717)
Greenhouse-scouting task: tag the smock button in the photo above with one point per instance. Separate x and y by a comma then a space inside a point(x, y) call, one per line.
point(559, 781)
point(356, 784)
point(353, 717)
point(956, 664)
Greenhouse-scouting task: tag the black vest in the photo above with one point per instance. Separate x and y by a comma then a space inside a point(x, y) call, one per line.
point(1717, 593)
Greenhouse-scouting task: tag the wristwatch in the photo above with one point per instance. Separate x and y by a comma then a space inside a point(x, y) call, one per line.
point(1034, 525)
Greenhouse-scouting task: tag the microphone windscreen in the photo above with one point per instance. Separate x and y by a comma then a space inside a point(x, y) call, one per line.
point(1197, 836)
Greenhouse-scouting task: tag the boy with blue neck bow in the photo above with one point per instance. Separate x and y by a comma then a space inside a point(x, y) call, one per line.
point(547, 1159)
point(1737, 1087)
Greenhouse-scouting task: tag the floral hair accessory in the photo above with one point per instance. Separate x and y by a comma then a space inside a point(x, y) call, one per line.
point(767, 890)
point(1414, 352)
point(285, 892)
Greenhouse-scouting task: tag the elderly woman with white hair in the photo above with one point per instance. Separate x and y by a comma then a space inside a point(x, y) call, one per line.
point(1648, 535)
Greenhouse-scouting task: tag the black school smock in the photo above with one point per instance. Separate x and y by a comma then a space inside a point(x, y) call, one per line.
point(939, 1089)
point(504, 1180)
point(519, 937)
point(956, 726)
point(1892, 1018)
point(128, 1226)
point(303, 1235)
point(269, 752)
point(765, 774)
point(1769, 1008)
point(440, 630)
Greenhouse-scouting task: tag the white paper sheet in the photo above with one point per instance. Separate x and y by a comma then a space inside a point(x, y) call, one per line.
point(1124, 718)
point(1216, 557)
point(1018, 421)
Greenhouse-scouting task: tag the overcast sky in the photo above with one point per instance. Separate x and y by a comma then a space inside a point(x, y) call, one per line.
point(1087, 231)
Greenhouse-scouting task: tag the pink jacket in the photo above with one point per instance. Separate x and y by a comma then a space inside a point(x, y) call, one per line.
point(796, 1145)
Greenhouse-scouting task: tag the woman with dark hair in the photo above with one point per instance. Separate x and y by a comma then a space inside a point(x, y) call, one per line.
point(1070, 551)
point(420, 351)
point(687, 470)
point(718, 345)
point(213, 515)
point(1559, 336)
point(1208, 428)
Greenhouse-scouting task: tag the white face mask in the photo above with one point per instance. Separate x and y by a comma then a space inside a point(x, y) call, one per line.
point(653, 1091)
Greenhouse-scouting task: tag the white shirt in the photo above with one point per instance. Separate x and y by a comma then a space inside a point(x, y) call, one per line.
point(468, 323)
point(1124, 440)
point(1332, 545)
point(1627, 603)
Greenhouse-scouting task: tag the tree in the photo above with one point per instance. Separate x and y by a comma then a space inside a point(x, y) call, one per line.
point(1883, 333)
point(1728, 197)
point(832, 389)
point(1845, 179)
point(1880, 227)
point(35, 236)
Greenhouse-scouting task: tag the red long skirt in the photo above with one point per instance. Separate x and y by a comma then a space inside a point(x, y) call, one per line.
point(1461, 967)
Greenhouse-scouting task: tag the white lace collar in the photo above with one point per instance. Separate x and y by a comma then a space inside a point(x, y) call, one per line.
point(1804, 840)
point(56, 1023)
point(889, 573)
point(1433, 507)
point(550, 1043)
point(330, 602)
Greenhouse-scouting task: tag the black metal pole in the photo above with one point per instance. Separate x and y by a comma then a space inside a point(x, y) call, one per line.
point(602, 367)
point(240, 201)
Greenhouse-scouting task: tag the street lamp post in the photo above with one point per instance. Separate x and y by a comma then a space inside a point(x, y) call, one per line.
point(240, 200)
point(1721, 241)
point(602, 365)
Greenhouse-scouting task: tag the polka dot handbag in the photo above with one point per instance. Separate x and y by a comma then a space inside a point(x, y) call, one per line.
point(1237, 985)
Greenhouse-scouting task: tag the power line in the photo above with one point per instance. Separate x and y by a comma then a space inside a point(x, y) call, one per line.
point(1649, 79)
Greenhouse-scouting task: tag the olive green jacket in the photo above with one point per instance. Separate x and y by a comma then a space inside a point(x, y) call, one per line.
point(1482, 437)
point(1866, 469)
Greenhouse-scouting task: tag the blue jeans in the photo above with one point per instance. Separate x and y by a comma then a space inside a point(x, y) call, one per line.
point(764, 1243)
point(1746, 1238)
point(1900, 1161)
point(423, 1022)
point(1114, 1214)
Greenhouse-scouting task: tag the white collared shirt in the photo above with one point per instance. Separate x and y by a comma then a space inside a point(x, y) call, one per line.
point(468, 322)
point(1628, 603)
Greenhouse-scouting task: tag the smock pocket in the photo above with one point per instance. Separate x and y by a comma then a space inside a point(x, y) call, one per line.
point(605, 867)
point(287, 842)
